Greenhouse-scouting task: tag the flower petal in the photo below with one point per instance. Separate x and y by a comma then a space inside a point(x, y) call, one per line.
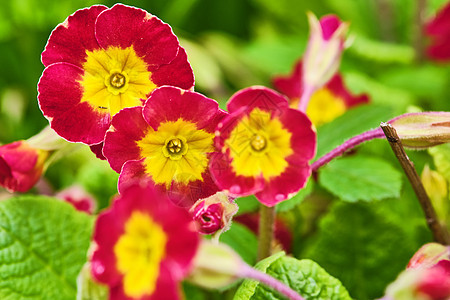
point(128, 126)
point(70, 39)
point(257, 96)
point(169, 103)
point(74, 120)
point(126, 26)
point(177, 73)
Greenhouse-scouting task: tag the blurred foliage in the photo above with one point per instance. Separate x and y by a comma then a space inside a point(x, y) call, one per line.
point(236, 43)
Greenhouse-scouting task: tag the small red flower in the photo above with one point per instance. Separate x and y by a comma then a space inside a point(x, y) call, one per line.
point(21, 166)
point(438, 29)
point(265, 147)
point(327, 103)
point(101, 60)
point(168, 142)
point(144, 246)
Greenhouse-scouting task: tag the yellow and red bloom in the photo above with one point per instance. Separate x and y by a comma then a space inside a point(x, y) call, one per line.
point(101, 60)
point(144, 246)
point(21, 166)
point(79, 198)
point(265, 147)
point(325, 104)
point(169, 142)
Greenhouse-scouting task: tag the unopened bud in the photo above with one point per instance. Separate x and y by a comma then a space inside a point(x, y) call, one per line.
point(215, 266)
point(423, 130)
point(429, 255)
point(213, 214)
point(324, 50)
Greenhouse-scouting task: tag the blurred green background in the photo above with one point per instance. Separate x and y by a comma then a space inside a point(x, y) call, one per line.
point(233, 44)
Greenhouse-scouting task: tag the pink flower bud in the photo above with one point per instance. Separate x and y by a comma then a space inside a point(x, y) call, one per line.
point(213, 214)
point(428, 255)
point(435, 282)
point(324, 50)
point(21, 166)
point(423, 130)
point(79, 198)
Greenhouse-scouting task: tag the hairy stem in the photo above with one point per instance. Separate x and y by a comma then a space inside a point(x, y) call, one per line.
point(440, 234)
point(266, 231)
point(251, 273)
point(347, 145)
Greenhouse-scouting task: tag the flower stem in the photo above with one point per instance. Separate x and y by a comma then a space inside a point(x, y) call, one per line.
point(347, 145)
point(440, 234)
point(251, 273)
point(266, 231)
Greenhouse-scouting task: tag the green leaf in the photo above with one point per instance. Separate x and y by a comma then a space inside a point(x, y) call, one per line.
point(295, 200)
point(242, 240)
point(361, 178)
point(304, 276)
point(247, 204)
point(352, 123)
point(359, 246)
point(381, 52)
point(43, 246)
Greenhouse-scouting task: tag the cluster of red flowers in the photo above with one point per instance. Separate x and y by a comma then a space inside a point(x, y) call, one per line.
point(117, 80)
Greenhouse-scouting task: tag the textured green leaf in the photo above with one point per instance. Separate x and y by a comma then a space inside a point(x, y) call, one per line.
point(352, 123)
point(242, 240)
point(304, 276)
point(361, 178)
point(43, 246)
point(360, 247)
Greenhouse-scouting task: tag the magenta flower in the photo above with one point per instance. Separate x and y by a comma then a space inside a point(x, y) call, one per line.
point(326, 103)
point(101, 60)
point(265, 147)
point(168, 142)
point(213, 215)
point(144, 246)
point(438, 29)
point(21, 166)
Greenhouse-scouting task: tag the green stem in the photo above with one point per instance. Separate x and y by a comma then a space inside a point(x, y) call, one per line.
point(266, 231)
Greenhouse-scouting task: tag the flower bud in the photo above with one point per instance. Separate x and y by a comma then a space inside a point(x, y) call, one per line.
point(215, 266)
point(427, 276)
point(213, 214)
point(429, 255)
point(423, 130)
point(324, 50)
point(79, 198)
point(21, 166)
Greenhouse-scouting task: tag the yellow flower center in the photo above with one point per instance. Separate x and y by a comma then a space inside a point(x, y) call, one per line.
point(176, 151)
point(259, 144)
point(115, 78)
point(139, 252)
point(324, 107)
